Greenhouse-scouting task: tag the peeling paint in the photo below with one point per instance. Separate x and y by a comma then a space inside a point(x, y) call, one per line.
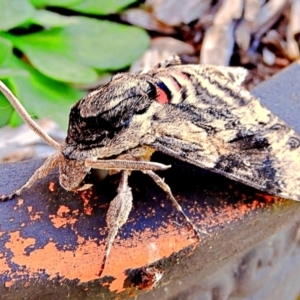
point(3, 265)
point(86, 196)
point(20, 202)
point(141, 248)
point(51, 186)
point(35, 216)
point(80, 258)
point(64, 217)
point(8, 283)
point(83, 263)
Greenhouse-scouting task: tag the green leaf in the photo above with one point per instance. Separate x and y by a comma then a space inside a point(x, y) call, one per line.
point(46, 52)
point(8, 72)
point(15, 120)
point(48, 19)
point(5, 50)
point(60, 67)
point(101, 7)
point(41, 96)
point(105, 45)
point(71, 53)
point(5, 110)
point(62, 3)
point(14, 13)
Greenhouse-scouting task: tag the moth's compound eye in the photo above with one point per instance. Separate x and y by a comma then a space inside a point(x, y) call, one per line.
point(151, 90)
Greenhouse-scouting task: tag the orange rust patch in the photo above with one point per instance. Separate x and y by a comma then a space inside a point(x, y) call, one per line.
point(63, 210)
point(35, 216)
point(51, 186)
point(86, 197)
point(266, 197)
point(3, 266)
point(146, 250)
point(84, 262)
point(229, 213)
point(64, 217)
point(8, 284)
point(17, 245)
point(20, 202)
point(79, 264)
point(142, 249)
point(21, 243)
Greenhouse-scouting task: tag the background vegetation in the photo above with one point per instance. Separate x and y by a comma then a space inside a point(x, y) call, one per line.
point(50, 50)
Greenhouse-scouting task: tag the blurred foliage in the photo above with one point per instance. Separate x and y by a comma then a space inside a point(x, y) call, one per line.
point(46, 56)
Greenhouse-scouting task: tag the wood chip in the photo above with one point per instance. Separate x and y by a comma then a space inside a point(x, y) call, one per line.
point(293, 31)
point(275, 40)
point(217, 46)
point(268, 15)
point(161, 49)
point(230, 10)
point(268, 56)
point(243, 35)
point(146, 20)
point(251, 10)
point(174, 12)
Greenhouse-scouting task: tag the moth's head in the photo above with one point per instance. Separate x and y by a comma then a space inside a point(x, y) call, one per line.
point(72, 174)
point(106, 112)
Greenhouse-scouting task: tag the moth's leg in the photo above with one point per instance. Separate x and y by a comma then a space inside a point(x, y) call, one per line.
point(160, 182)
point(117, 214)
point(50, 163)
point(119, 164)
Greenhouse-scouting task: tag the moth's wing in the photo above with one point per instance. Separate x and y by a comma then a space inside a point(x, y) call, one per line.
point(236, 74)
point(222, 127)
point(172, 61)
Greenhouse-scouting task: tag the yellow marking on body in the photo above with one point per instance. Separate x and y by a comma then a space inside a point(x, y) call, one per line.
point(148, 152)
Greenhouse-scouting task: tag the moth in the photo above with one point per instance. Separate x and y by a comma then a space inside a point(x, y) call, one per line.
point(199, 114)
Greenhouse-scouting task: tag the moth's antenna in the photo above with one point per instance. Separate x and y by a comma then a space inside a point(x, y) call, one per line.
point(26, 117)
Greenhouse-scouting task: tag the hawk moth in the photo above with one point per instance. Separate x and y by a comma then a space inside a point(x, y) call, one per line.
point(195, 113)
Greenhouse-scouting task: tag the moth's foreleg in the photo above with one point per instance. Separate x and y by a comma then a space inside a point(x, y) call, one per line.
point(49, 164)
point(117, 214)
point(160, 182)
point(120, 164)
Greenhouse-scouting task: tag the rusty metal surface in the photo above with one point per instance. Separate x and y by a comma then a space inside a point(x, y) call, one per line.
point(52, 241)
